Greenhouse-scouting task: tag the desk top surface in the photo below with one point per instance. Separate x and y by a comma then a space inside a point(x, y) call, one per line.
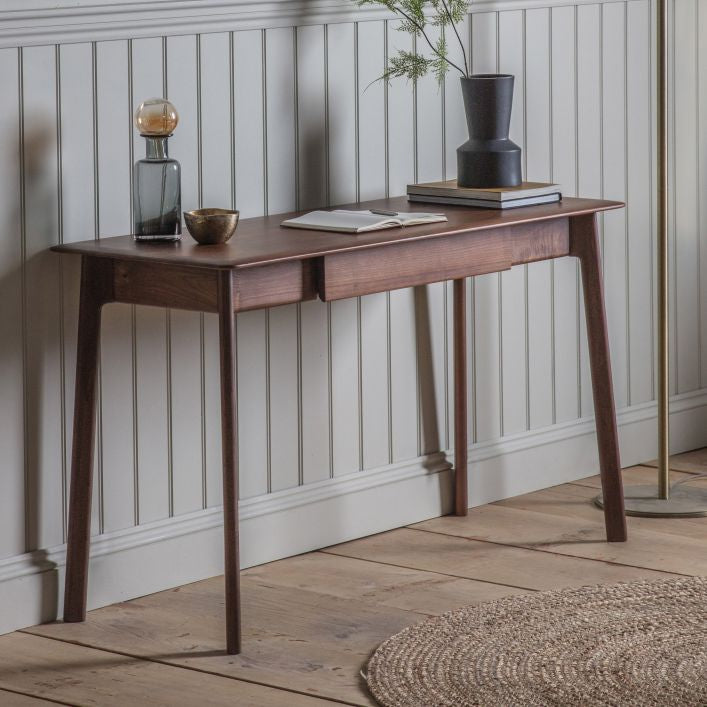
point(262, 241)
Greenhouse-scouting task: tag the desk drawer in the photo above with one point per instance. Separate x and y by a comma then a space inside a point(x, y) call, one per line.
point(273, 285)
point(409, 263)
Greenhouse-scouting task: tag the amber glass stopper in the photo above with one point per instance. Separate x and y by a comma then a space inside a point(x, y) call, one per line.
point(156, 117)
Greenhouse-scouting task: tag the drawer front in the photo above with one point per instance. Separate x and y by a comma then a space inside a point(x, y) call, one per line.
point(409, 263)
point(194, 288)
point(541, 240)
point(163, 285)
point(273, 285)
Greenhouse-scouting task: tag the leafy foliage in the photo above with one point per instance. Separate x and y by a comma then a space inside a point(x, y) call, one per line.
point(443, 14)
point(408, 64)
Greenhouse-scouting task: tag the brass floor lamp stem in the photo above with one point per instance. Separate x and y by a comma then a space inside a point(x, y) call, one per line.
point(660, 500)
point(663, 269)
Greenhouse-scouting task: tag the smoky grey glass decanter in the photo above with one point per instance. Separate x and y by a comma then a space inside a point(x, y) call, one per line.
point(157, 209)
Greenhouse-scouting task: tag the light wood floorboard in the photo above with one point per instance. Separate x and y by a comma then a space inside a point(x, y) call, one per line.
point(17, 699)
point(694, 462)
point(310, 622)
point(576, 501)
point(85, 676)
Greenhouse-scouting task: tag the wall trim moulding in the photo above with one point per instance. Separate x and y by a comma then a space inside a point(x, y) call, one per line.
point(69, 21)
point(167, 553)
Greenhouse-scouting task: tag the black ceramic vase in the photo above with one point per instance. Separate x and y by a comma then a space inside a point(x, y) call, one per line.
point(488, 158)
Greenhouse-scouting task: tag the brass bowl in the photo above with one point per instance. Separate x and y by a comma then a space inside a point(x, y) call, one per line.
point(211, 226)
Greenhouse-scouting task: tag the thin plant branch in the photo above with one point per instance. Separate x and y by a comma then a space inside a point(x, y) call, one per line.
point(456, 31)
point(414, 20)
point(421, 30)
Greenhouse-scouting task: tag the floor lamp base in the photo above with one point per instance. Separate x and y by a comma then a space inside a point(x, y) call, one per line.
point(684, 502)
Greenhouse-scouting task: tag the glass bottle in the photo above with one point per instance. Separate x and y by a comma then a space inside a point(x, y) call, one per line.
point(157, 210)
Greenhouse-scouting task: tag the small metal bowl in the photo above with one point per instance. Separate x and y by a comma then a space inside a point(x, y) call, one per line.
point(211, 226)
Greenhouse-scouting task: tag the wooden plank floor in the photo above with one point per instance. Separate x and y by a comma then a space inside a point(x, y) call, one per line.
point(310, 622)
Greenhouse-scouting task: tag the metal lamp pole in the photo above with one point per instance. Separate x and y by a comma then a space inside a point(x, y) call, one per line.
point(662, 500)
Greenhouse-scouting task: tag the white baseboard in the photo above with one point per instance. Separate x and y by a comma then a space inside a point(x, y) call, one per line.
point(149, 558)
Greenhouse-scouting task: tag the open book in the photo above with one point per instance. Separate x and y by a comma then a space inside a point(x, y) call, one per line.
point(345, 221)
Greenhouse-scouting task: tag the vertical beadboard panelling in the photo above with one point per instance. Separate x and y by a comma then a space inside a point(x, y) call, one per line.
point(216, 172)
point(403, 375)
point(702, 180)
point(151, 413)
point(403, 341)
point(342, 163)
point(315, 391)
point(314, 320)
point(401, 118)
point(77, 190)
point(687, 234)
point(341, 123)
point(429, 111)
point(371, 183)
point(280, 126)
point(564, 172)
point(430, 300)
point(614, 180)
point(113, 134)
point(639, 189)
point(431, 319)
point(283, 321)
point(251, 334)
point(248, 106)
point(487, 319)
point(12, 517)
point(512, 287)
point(184, 361)
point(370, 57)
point(589, 156)
point(311, 117)
point(455, 134)
point(455, 128)
point(539, 168)
point(116, 419)
point(345, 387)
point(43, 454)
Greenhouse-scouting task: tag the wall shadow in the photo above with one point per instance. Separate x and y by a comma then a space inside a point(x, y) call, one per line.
point(430, 438)
point(37, 284)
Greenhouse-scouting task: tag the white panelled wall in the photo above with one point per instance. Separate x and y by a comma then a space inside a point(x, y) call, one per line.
point(345, 409)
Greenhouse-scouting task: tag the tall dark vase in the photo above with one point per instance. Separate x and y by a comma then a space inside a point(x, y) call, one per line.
point(488, 158)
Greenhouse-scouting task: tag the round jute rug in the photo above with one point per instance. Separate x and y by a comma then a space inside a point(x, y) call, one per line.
point(641, 643)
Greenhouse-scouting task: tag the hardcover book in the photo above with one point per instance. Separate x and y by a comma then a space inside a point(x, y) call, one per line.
point(525, 190)
point(487, 203)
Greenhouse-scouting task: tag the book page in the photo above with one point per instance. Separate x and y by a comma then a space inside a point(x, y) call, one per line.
point(349, 221)
point(339, 219)
point(402, 218)
point(410, 218)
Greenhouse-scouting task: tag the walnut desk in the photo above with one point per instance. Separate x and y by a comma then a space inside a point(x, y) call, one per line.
point(265, 265)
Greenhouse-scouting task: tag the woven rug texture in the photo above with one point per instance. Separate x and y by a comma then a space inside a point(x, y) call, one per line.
point(622, 645)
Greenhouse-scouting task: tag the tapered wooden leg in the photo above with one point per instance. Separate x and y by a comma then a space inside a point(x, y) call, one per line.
point(230, 461)
point(584, 244)
point(96, 286)
point(461, 500)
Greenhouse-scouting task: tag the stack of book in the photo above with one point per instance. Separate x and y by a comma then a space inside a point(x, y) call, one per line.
point(526, 194)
